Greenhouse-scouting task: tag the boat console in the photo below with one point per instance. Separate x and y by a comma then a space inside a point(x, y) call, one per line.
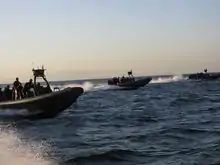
point(40, 74)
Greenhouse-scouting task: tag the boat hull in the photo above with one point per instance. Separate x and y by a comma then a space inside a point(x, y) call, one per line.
point(204, 76)
point(134, 84)
point(47, 105)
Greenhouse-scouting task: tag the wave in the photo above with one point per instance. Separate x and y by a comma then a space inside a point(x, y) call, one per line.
point(12, 112)
point(169, 79)
point(87, 86)
point(17, 114)
point(116, 155)
point(91, 86)
point(15, 151)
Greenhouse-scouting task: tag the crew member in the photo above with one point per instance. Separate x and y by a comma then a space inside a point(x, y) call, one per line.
point(17, 87)
point(27, 88)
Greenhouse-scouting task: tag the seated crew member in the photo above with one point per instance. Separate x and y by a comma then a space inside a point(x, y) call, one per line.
point(7, 94)
point(122, 79)
point(42, 90)
point(27, 89)
point(1, 95)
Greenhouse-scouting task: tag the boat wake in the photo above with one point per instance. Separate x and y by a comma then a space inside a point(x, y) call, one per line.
point(91, 86)
point(116, 156)
point(87, 86)
point(167, 79)
point(16, 151)
point(12, 112)
point(16, 114)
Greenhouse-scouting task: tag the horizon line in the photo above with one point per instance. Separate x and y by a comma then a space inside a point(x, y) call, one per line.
point(96, 78)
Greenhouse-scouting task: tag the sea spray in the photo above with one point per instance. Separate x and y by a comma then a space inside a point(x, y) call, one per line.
point(86, 86)
point(91, 86)
point(16, 151)
point(167, 79)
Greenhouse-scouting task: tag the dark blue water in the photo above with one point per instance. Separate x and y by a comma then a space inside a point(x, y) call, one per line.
point(170, 121)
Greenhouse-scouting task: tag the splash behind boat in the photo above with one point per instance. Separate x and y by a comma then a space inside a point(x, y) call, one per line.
point(46, 103)
point(129, 82)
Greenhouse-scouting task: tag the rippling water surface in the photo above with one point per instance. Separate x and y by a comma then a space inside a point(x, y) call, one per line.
point(171, 121)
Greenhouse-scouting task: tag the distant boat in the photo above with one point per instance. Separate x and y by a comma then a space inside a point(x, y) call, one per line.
point(204, 76)
point(130, 82)
point(47, 103)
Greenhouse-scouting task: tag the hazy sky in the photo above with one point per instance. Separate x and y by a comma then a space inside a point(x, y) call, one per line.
point(99, 38)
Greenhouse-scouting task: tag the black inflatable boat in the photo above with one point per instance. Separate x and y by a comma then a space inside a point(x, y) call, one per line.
point(47, 104)
point(204, 76)
point(129, 83)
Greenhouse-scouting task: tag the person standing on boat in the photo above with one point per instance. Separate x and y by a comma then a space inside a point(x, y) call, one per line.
point(17, 88)
point(1, 94)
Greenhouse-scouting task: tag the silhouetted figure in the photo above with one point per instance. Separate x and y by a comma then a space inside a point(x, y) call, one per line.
point(7, 94)
point(206, 70)
point(38, 89)
point(116, 80)
point(1, 95)
point(122, 79)
point(27, 89)
point(17, 89)
point(42, 90)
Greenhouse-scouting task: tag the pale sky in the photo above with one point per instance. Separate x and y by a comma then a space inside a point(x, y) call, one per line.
point(77, 39)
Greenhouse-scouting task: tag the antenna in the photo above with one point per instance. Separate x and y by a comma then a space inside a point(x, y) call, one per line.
point(32, 64)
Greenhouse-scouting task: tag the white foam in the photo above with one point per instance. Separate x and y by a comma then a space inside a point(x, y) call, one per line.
point(90, 86)
point(168, 79)
point(15, 151)
point(86, 85)
point(11, 112)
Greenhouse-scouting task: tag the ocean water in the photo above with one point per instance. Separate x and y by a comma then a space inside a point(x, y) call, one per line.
point(172, 121)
